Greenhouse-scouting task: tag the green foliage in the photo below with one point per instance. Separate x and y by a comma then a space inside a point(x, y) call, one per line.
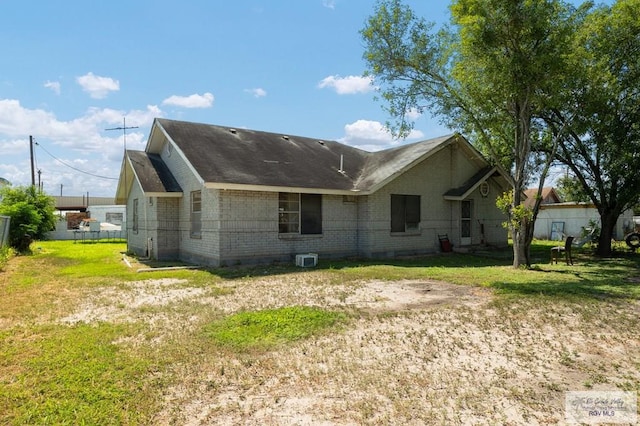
point(31, 213)
point(6, 253)
point(492, 74)
point(517, 216)
point(603, 110)
point(570, 189)
point(269, 328)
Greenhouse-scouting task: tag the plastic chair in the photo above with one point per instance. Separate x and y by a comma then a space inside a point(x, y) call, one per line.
point(445, 244)
point(555, 251)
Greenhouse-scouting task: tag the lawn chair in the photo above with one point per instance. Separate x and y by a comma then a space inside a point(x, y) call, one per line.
point(445, 244)
point(585, 239)
point(566, 248)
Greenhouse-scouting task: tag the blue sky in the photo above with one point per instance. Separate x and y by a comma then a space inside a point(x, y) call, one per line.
point(69, 70)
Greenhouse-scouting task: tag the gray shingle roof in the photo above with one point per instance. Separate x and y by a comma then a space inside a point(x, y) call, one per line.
point(152, 173)
point(238, 156)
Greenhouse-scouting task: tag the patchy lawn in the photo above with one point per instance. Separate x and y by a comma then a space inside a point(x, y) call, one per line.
point(452, 339)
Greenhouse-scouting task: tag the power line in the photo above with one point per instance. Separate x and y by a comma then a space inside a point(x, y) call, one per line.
point(72, 167)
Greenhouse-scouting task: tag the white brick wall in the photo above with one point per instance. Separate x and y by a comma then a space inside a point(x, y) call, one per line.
point(242, 226)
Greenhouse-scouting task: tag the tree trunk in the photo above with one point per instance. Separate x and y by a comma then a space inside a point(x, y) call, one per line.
point(608, 221)
point(520, 255)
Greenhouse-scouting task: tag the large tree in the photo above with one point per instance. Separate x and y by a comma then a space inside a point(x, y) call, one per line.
point(490, 75)
point(31, 212)
point(603, 111)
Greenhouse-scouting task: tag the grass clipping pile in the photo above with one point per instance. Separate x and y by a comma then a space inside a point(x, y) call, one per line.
point(413, 352)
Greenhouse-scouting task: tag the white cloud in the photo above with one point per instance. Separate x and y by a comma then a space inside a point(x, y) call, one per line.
point(258, 92)
point(192, 101)
point(97, 87)
point(330, 4)
point(54, 86)
point(82, 143)
point(413, 114)
point(347, 85)
point(372, 135)
point(14, 146)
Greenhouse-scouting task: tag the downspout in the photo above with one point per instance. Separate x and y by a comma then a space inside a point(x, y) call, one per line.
point(146, 226)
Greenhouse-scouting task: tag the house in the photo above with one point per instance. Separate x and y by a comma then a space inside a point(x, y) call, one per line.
point(218, 195)
point(548, 195)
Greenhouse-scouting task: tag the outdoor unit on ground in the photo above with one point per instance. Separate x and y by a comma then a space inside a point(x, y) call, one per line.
point(306, 260)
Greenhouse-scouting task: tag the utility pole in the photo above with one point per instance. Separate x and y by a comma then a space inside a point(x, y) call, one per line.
point(33, 172)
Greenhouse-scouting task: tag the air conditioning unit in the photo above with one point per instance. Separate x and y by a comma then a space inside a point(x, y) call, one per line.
point(307, 260)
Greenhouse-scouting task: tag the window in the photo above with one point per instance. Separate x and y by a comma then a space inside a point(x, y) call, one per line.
point(135, 216)
point(115, 218)
point(196, 214)
point(405, 213)
point(299, 213)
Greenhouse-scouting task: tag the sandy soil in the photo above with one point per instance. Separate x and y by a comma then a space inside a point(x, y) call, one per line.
point(419, 352)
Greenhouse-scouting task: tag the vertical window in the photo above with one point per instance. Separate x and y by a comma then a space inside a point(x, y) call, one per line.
point(405, 212)
point(465, 218)
point(196, 214)
point(135, 215)
point(299, 213)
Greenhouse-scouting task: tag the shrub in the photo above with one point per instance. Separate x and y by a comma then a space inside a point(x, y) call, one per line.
point(31, 213)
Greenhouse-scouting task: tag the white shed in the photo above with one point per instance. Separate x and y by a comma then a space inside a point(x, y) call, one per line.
point(572, 218)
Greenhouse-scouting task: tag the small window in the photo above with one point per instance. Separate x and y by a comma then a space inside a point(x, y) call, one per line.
point(115, 218)
point(405, 213)
point(196, 214)
point(299, 213)
point(134, 227)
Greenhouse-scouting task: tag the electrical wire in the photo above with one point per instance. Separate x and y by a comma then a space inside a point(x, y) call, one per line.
point(72, 167)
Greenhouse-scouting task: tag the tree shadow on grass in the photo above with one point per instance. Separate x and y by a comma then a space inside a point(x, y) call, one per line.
point(601, 282)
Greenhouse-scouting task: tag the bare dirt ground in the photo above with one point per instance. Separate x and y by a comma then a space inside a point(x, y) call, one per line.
point(417, 352)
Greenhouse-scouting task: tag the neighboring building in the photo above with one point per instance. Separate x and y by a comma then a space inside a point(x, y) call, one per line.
point(555, 221)
point(221, 196)
point(68, 226)
point(549, 196)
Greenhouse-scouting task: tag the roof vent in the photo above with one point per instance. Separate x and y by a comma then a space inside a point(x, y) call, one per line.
point(321, 142)
point(234, 131)
point(285, 137)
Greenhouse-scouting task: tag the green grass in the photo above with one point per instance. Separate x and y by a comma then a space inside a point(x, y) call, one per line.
point(52, 373)
point(71, 375)
point(269, 328)
point(588, 278)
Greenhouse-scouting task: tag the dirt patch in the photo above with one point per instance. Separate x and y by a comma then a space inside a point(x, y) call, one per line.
point(131, 301)
point(422, 352)
point(124, 303)
point(408, 294)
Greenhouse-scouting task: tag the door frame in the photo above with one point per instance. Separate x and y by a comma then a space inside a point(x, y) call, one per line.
point(466, 222)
